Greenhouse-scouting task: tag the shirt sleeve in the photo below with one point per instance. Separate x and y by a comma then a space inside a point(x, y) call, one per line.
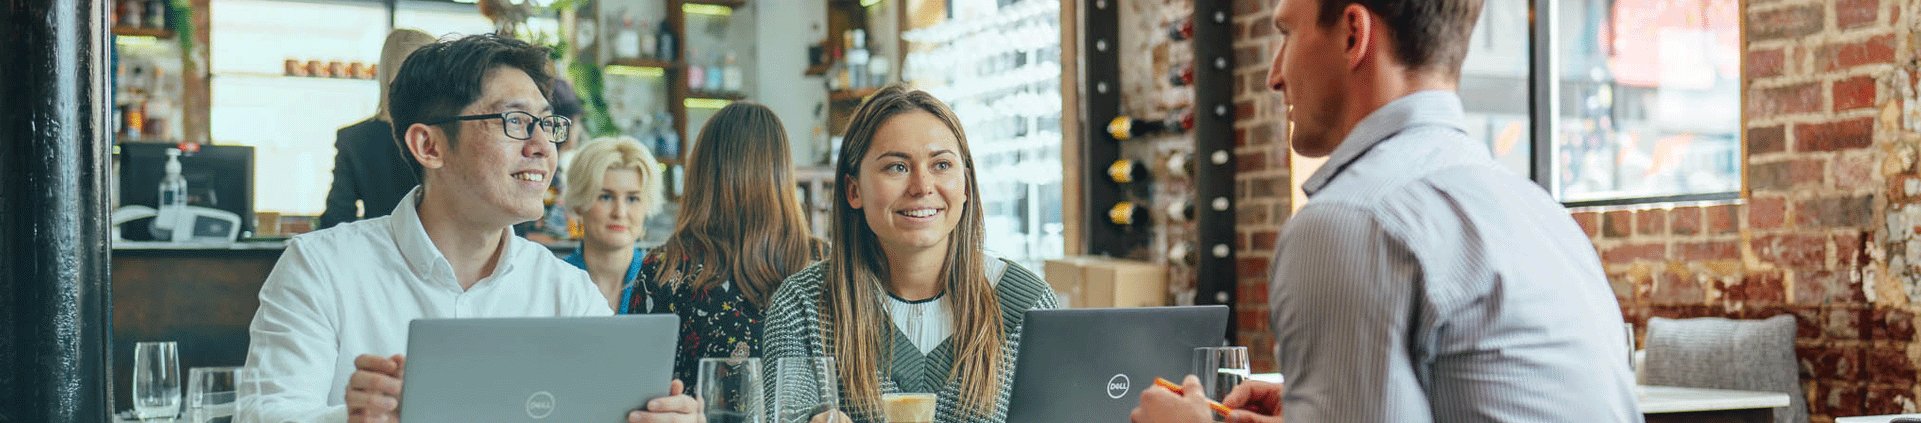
point(292, 351)
point(1343, 293)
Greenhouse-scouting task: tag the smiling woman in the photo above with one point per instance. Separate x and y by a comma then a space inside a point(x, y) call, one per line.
point(906, 301)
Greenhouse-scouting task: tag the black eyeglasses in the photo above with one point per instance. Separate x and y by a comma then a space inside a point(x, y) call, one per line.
point(520, 125)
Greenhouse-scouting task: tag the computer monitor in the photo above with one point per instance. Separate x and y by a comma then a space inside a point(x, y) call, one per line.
point(218, 177)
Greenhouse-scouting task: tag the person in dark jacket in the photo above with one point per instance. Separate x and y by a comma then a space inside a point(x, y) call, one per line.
point(371, 171)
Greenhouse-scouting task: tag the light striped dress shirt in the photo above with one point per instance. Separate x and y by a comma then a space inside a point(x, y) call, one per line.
point(1423, 282)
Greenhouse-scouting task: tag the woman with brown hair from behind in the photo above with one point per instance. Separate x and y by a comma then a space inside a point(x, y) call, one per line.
point(740, 232)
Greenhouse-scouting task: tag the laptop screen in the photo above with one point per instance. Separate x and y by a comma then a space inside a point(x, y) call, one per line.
point(1092, 364)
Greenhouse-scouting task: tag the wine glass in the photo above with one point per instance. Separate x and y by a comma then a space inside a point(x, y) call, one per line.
point(1220, 369)
point(211, 393)
point(731, 391)
point(804, 387)
point(156, 380)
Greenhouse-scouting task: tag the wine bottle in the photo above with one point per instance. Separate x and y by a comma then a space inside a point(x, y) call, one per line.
point(1181, 210)
point(1181, 76)
point(1183, 253)
point(1180, 165)
point(1126, 171)
point(1125, 213)
point(1181, 31)
point(1125, 128)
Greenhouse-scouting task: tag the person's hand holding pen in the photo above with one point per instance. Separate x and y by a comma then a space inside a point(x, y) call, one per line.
point(1251, 402)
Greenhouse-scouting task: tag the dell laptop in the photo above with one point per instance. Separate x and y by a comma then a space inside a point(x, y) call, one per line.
point(1092, 364)
point(547, 369)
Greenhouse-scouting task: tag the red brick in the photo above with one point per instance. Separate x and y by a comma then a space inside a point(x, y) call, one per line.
point(1891, 324)
point(1250, 266)
point(1785, 100)
point(1634, 252)
point(1766, 212)
point(1844, 323)
point(1590, 222)
point(1254, 161)
point(1784, 23)
point(1723, 219)
point(1772, 139)
point(1760, 287)
point(1855, 171)
point(1834, 212)
point(1835, 363)
point(1846, 399)
point(1708, 250)
point(1262, 134)
point(1786, 175)
point(1833, 136)
point(1686, 220)
point(1766, 63)
point(1887, 400)
point(1889, 366)
point(1617, 224)
point(1802, 252)
point(1850, 249)
point(1677, 290)
point(1854, 93)
point(1854, 13)
point(1263, 240)
point(1838, 56)
point(1821, 287)
point(1253, 294)
point(1651, 222)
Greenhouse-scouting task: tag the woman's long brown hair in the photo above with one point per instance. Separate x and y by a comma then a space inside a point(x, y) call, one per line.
point(852, 308)
point(739, 220)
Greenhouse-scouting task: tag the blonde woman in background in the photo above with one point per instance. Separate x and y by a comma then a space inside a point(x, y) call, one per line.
point(906, 301)
point(613, 185)
point(371, 170)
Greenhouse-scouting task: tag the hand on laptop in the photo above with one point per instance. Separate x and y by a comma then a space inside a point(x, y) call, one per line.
point(676, 407)
point(373, 392)
point(1254, 401)
point(1160, 405)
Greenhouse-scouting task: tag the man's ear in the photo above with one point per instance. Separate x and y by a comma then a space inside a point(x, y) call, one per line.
point(428, 145)
point(1357, 24)
point(853, 191)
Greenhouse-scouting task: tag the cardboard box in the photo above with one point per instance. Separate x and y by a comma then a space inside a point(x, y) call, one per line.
point(1098, 282)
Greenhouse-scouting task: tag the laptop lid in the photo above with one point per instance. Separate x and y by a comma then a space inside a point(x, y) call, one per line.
point(1092, 364)
point(546, 369)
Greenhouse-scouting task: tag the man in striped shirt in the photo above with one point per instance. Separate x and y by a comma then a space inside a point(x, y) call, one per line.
point(1422, 282)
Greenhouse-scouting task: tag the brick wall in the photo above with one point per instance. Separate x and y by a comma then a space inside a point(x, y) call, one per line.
point(1261, 182)
point(1823, 233)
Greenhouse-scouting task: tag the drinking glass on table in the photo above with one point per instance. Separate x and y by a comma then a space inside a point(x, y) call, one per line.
point(731, 391)
point(1220, 369)
point(211, 394)
point(156, 380)
point(804, 387)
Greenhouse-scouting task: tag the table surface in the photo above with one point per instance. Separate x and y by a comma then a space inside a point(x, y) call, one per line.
point(1874, 419)
point(1673, 399)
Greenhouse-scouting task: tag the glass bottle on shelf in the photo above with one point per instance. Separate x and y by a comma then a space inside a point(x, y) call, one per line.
point(715, 75)
point(649, 40)
point(627, 39)
point(664, 33)
point(156, 14)
point(130, 14)
point(857, 59)
point(732, 75)
point(696, 74)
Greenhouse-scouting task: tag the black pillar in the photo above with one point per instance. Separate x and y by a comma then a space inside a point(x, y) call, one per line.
point(54, 300)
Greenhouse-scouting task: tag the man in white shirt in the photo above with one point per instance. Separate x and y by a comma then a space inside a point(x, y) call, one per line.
point(1422, 281)
point(327, 340)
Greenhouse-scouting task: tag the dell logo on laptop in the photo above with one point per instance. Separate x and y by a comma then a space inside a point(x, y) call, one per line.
point(1117, 387)
point(540, 404)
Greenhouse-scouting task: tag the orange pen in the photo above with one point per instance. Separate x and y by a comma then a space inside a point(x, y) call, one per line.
point(1218, 408)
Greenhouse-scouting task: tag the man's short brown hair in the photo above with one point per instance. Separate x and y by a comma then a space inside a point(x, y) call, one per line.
point(1429, 35)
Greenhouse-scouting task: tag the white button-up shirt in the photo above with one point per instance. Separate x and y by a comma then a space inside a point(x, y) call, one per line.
point(352, 289)
point(1423, 282)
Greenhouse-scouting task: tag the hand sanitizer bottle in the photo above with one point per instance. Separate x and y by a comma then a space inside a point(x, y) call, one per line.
point(173, 198)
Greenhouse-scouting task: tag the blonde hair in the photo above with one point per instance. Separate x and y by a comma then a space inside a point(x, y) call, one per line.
point(740, 220)
point(592, 161)
point(851, 304)
point(400, 43)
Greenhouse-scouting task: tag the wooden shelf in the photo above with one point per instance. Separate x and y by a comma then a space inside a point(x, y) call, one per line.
point(728, 3)
point(716, 95)
point(856, 94)
point(143, 32)
point(646, 63)
point(820, 69)
point(668, 161)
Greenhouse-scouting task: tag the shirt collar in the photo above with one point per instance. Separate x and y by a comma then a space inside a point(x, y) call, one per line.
point(1432, 107)
point(418, 250)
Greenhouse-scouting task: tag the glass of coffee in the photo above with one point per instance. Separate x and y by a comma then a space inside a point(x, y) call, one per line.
point(908, 407)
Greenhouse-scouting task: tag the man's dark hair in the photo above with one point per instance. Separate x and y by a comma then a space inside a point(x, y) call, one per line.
point(440, 79)
point(1429, 35)
point(566, 101)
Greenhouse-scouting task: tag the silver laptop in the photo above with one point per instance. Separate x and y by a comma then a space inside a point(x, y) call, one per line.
point(1090, 365)
point(550, 369)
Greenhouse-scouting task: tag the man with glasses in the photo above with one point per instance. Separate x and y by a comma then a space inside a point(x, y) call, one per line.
point(333, 314)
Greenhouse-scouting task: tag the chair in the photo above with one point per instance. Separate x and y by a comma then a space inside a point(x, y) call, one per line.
point(1717, 353)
